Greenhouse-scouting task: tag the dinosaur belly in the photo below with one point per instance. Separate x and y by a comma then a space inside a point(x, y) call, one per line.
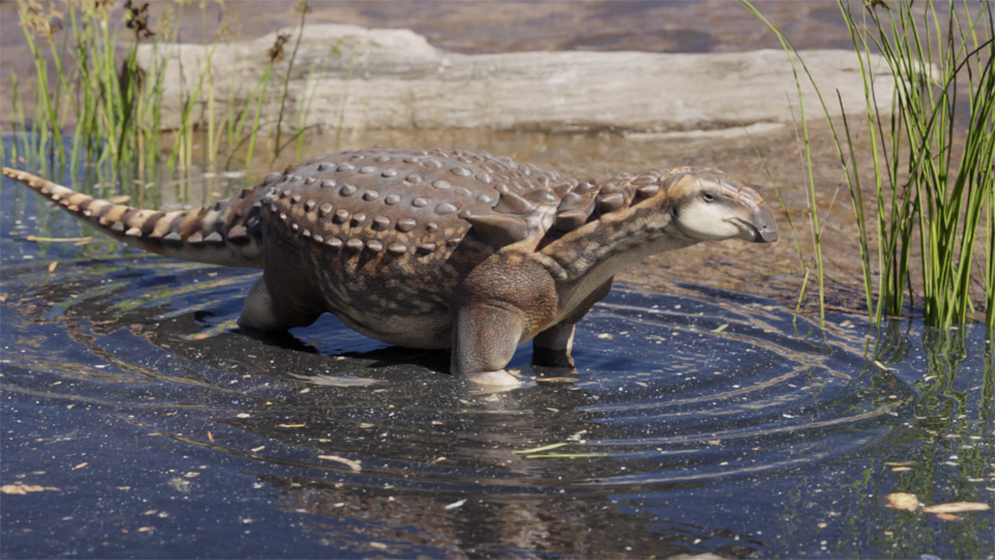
point(429, 331)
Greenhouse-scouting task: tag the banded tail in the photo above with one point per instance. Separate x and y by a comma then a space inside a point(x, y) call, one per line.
point(227, 233)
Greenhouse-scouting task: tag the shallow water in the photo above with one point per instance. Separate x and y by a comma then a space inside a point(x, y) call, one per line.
point(699, 421)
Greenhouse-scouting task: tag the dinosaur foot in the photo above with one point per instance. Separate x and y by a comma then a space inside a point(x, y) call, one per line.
point(499, 380)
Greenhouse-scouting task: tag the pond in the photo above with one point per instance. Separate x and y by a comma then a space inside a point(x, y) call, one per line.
point(139, 422)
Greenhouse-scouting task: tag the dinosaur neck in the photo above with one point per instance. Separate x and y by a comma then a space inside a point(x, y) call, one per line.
point(586, 258)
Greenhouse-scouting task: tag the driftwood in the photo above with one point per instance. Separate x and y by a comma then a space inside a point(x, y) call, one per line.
point(394, 79)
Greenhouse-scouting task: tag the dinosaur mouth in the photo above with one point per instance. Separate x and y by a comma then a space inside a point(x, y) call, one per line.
point(763, 224)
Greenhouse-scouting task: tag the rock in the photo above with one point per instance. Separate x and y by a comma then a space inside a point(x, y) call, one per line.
point(394, 79)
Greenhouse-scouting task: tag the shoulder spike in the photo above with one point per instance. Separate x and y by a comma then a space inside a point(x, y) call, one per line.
point(511, 203)
point(569, 221)
point(610, 202)
point(561, 189)
point(496, 229)
point(574, 210)
point(542, 196)
point(648, 191)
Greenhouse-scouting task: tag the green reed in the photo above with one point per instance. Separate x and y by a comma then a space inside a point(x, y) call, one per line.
point(302, 10)
point(791, 226)
point(810, 192)
point(927, 206)
point(83, 83)
point(90, 87)
point(926, 199)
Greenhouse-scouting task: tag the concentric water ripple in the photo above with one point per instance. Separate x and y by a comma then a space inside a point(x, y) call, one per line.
point(700, 421)
point(668, 389)
point(139, 355)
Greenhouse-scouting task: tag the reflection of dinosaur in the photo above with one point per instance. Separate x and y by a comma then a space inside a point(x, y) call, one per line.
point(350, 518)
point(433, 249)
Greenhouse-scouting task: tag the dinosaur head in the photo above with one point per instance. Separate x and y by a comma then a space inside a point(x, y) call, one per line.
point(708, 205)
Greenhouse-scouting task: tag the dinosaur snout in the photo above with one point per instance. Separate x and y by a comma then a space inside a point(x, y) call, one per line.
point(765, 228)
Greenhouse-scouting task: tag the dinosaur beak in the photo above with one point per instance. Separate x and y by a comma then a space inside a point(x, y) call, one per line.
point(764, 226)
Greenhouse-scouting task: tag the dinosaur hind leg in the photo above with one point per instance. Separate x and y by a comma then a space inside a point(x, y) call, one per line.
point(265, 312)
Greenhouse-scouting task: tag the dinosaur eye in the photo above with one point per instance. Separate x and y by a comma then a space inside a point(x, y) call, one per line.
point(709, 197)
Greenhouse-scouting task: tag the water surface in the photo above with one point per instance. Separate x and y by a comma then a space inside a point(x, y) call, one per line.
point(698, 421)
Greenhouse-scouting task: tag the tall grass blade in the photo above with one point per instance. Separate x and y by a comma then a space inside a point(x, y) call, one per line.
point(940, 205)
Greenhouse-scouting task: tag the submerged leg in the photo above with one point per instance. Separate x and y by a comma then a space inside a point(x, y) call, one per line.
point(553, 346)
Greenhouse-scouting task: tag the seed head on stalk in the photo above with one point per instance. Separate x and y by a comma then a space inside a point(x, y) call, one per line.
point(38, 21)
point(138, 20)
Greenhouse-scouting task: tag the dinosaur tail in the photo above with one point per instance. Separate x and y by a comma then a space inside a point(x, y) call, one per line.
point(227, 233)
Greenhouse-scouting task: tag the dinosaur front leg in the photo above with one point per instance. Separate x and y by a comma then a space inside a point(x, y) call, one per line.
point(484, 340)
point(553, 346)
point(501, 304)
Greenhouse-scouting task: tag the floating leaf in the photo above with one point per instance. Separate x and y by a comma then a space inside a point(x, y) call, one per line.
point(25, 489)
point(354, 465)
point(901, 500)
point(957, 507)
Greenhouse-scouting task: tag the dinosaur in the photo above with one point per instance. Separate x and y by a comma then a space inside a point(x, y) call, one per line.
point(437, 249)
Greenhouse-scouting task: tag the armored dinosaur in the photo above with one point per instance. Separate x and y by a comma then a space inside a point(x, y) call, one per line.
point(438, 249)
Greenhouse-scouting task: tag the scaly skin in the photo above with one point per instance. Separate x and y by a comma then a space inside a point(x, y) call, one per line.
point(433, 249)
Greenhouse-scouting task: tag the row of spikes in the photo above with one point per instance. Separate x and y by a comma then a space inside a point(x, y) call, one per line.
point(577, 206)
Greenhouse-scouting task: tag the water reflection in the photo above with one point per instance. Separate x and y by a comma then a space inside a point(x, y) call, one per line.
point(674, 393)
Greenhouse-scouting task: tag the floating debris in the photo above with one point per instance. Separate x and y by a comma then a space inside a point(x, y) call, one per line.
point(354, 465)
point(332, 381)
point(957, 507)
point(902, 500)
point(543, 448)
point(25, 489)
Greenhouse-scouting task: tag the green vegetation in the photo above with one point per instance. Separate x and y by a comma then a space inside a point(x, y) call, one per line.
point(90, 87)
point(940, 202)
point(922, 200)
